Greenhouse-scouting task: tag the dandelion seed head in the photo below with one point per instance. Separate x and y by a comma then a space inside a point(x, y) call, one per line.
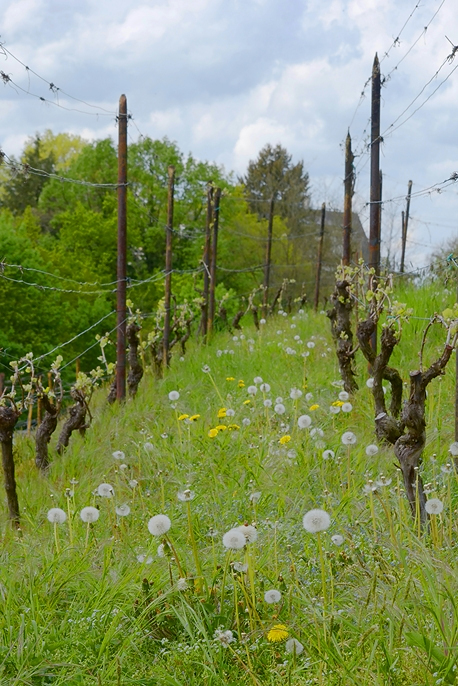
point(272, 596)
point(249, 531)
point(370, 383)
point(347, 407)
point(234, 539)
point(310, 344)
point(337, 539)
point(122, 510)
point(143, 559)
point(224, 637)
point(206, 369)
point(316, 520)
point(185, 495)
point(348, 438)
point(328, 454)
point(453, 448)
point(182, 584)
point(105, 490)
point(174, 395)
point(265, 388)
point(257, 379)
point(56, 515)
point(252, 390)
point(89, 514)
point(304, 421)
point(159, 525)
point(255, 497)
point(133, 483)
point(240, 567)
point(295, 394)
point(434, 506)
point(371, 450)
point(118, 455)
point(293, 646)
point(343, 395)
point(316, 432)
point(280, 408)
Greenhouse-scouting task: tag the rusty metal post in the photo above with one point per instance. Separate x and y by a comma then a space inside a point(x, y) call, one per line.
point(268, 255)
point(122, 251)
point(214, 253)
point(405, 224)
point(375, 198)
point(403, 241)
point(348, 186)
point(319, 256)
point(168, 265)
point(206, 260)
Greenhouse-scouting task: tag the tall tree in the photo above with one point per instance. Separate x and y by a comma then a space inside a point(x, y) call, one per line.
point(273, 175)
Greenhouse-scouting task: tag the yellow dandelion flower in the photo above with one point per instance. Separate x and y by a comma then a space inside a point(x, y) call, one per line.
point(247, 402)
point(241, 384)
point(230, 378)
point(194, 417)
point(183, 416)
point(313, 407)
point(213, 432)
point(284, 439)
point(221, 427)
point(337, 403)
point(277, 633)
point(221, 413)
point(233, 427)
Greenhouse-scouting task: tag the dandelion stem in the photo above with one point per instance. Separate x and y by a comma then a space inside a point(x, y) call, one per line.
point(175, 555)
point(194, 546)
point(56, 538)
point(216, 388)
point(223, 582)
point(323, 576)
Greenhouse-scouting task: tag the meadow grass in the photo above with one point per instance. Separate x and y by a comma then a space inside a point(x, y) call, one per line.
point(368, 599)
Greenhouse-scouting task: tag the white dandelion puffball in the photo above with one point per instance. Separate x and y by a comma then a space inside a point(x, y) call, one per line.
point(246, 421)
point(278, 400)
point(370, 383)
point(317, 433)
point(249, 531)
point(230, 413)
point(295, 394)
point(159, 525)
point(308, 397)
point(334, 409)
point(255, 497)
point(343, 395)
point(182, 584)
point(89, 514)
point(252, 390)
point(453, 449)
point(347, 407)
point(294, 646)
point(105, 490)
point(206, 369)
point(143, 559)
point(315, 521)
point(304, 421)
point(56, 515)
point(185, 495)
point(257, 379)
point(234, 539)
point(262, 321)
point(434, 506)
point(118, 455)
point(267, 402)
point(371, 450)
point(224, 637)
point(337, 539)
point(264, 387)
point(310, 344)
point(122, 510)
point(328, 454)
point(133, 483)
point(348, 438)
point(272, 596)
point(280, 408)
point(174, 395)
point(240, 567)
point(161, 550)
point(149, 447)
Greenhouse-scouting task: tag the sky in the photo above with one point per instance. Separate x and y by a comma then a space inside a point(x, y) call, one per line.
point(223, 78)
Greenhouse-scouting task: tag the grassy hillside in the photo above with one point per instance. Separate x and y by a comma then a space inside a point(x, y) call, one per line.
point(367, 599)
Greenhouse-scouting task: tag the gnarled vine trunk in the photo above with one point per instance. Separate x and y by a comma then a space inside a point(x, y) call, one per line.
point(44, 432)
point(339, 316)
point(8, 420)
point(75, 422)
point(135, 366)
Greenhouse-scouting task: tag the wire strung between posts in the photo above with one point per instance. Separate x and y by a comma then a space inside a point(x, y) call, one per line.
point(21, 268)
point(20, 167)
point(435, 188)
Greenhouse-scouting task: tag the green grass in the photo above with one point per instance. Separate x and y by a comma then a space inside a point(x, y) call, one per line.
point(378, 609)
